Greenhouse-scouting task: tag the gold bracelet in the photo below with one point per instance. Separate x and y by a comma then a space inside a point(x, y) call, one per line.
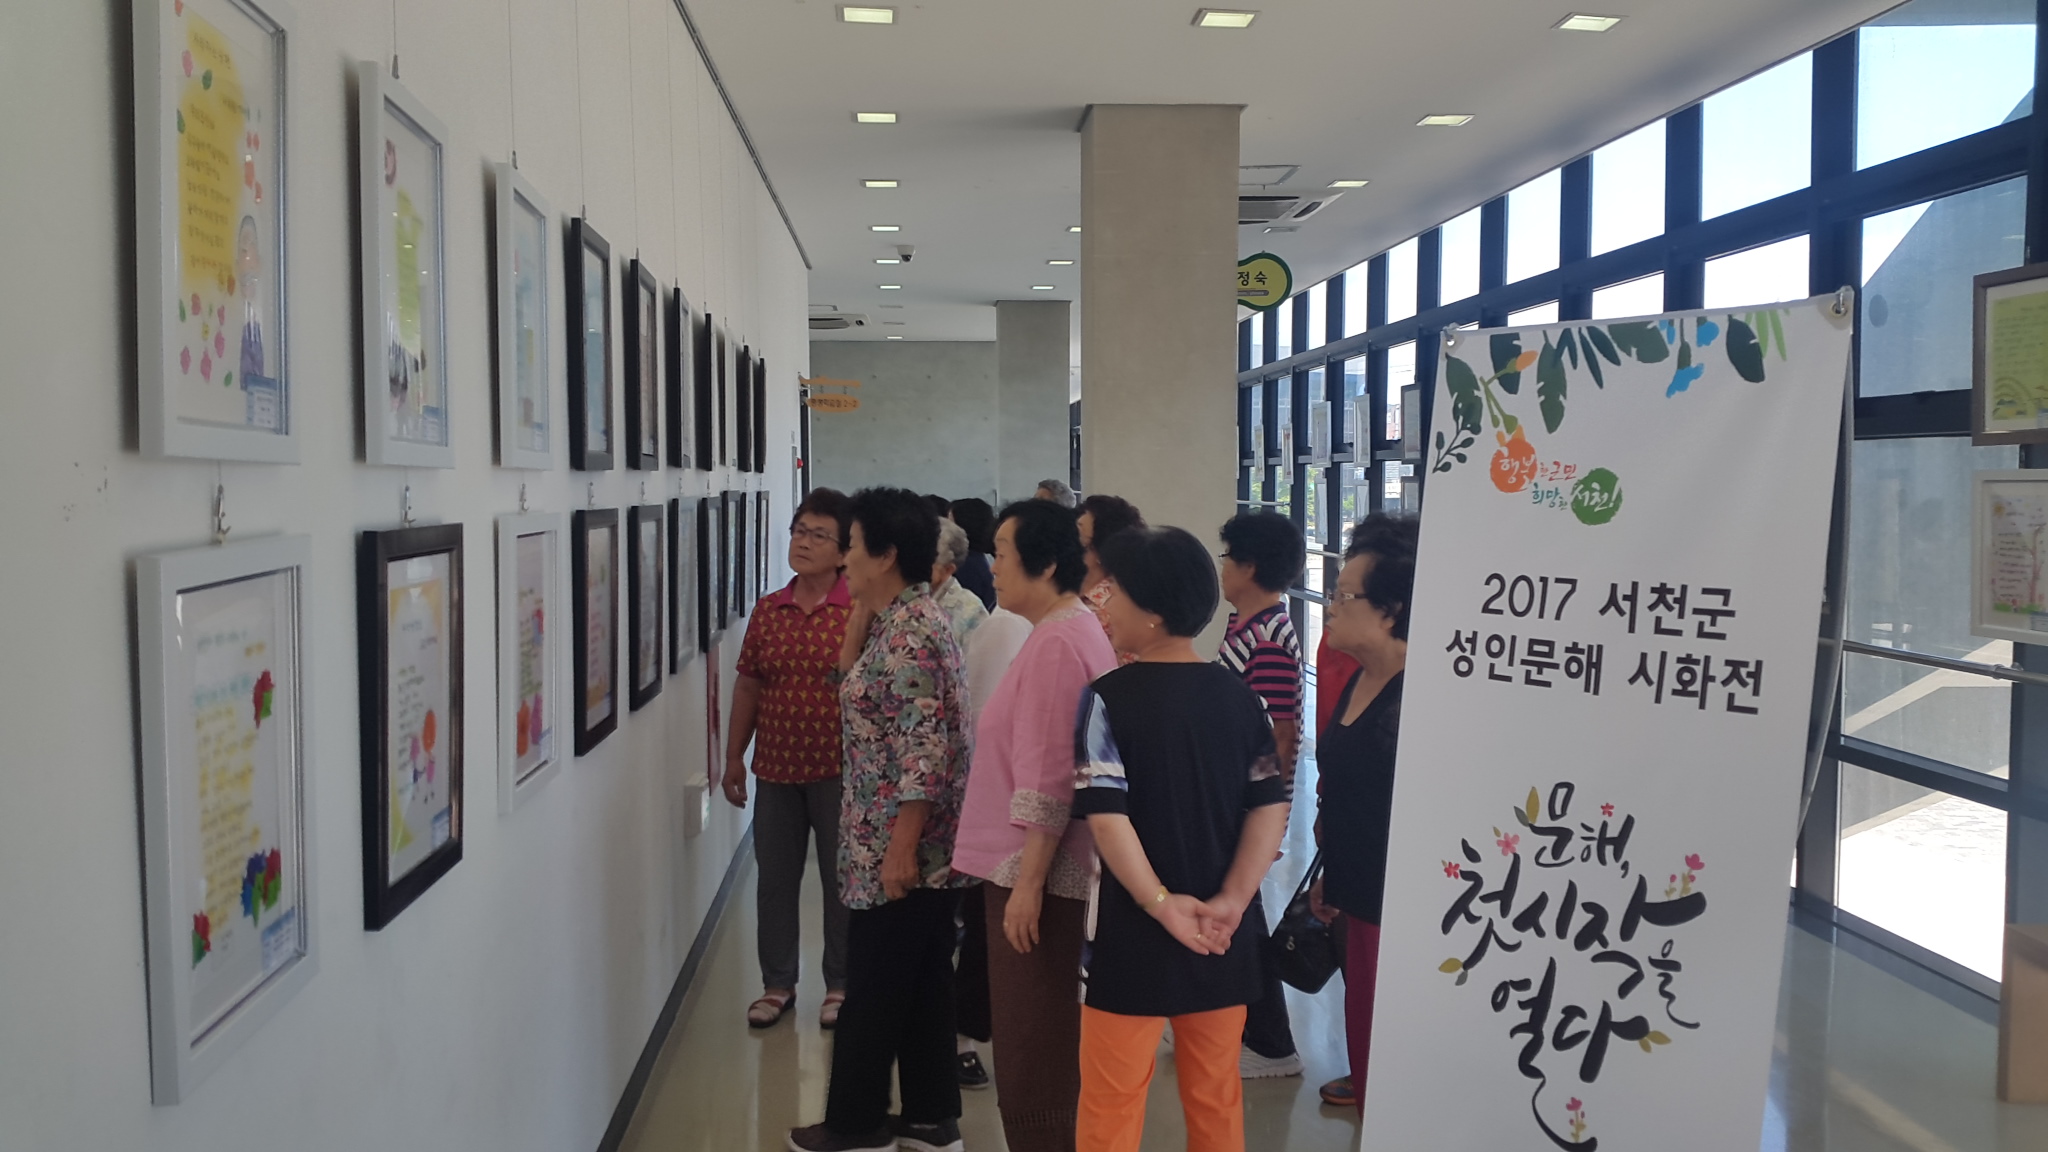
point(1161, 898)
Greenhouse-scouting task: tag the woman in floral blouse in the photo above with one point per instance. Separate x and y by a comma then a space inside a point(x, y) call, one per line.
point(904, 708)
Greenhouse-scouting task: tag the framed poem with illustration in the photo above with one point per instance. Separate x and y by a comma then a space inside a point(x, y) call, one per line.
point(736, 552)
point(410, 609)
point(724, 367)
point(706, 574)
point(703, 382)
point(760, 415)
point(683, 608)
point(743, 409)
point(402, 225)
point(2009, 556)
point(212, 97)
point(531, 605)
point(2009, 362)
point(646, 596)
point(594, 583)
point(587, 296)
point(226, 890)
point(681, 409)
point(721, 562)
point(643, 367)
point(761, 550)
point(525, 368)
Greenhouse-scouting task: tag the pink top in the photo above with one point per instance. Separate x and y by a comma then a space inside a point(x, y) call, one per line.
point(1023, 773)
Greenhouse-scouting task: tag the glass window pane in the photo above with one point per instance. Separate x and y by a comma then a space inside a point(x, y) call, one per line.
point(1356, 297)
point(1400, 374)
point(1934, 70)
point(1641, 297)
point(1258, 322)
point(1460, 258)
point(1534, 211)
point(1401, 272)
point(1917, 266)
point(1628, 189)
point(1318, 315)
point(1763, 275)
point(1282, 320)
point(1758, 139)
point(1926, 865)
point(1540, 314)
point(1949, 716)
point(1909, 545)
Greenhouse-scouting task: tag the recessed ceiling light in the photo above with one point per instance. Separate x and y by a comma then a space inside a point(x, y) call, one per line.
point(887, 260)
point(885, 228)
point(890, 287)
point(1349, 183)
point(892, 323)
point(1224, 18)
point(1059, 263)
point(1075, 228)
point(878, 183)
point(1444, 120)
point(874, 117)
point(853, 15)
point(1041, 287)
point(1580, 22)
point(892, 337)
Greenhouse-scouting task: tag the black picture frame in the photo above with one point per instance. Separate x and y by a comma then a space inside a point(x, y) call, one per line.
point(703, 380)
point(682, 404)
point(721, 569)
point(682, 546)
point(761, 415)
point(588, 572)
point(743, 408)
point(736, 550)
point(646, 594)
point(587, 270)
point(724, 394)
point(386, 895)
point(706, 580)
point(761, 525)
point(2027, 279)
point(644, 354)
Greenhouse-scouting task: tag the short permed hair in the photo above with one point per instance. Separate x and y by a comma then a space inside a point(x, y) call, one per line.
point(1049, 537)
point(1167, 572)
point(830, 503)
point(952, 545)
point(1270, 544)
point(979, 518)
point(901, 519)
point(1113, 514)
point(1062, 495)
point(1391, 542)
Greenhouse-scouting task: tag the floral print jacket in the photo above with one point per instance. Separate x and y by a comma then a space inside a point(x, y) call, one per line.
point(906, 716)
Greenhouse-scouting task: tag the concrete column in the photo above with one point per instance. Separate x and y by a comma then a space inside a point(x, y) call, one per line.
point(1159, 310)
point(1034, 342)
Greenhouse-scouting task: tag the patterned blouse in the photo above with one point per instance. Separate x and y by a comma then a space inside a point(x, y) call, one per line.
point(905, 709)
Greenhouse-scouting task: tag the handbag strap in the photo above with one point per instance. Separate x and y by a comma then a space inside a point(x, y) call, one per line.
point(1308, 878)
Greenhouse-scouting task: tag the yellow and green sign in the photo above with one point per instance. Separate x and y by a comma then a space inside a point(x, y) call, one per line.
point(1263, 281)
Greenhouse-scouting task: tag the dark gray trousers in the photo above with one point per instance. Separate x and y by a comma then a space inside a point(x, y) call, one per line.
point(788, 820)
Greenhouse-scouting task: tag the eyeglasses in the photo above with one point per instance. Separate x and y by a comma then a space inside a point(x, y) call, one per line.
point(815, 536)
point(1338, 599)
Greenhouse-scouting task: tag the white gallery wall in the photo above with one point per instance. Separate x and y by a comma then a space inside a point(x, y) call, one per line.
point(929, 419)
point(506, 1007)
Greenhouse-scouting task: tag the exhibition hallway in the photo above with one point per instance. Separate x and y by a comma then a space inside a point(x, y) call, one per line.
point(1871, 1054)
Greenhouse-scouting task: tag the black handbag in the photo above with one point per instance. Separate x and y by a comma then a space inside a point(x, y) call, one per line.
point(1304, 951)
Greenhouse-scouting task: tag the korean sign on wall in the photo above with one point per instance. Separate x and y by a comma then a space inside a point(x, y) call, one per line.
point(1610, 665)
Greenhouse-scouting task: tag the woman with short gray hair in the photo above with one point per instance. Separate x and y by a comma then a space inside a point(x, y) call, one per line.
point(1058, 492)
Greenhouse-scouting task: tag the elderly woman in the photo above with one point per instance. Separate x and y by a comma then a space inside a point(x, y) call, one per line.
point(1016, 832)
point(1186, 801)
point(970, 977)
point(904, 706)
point(963, 608)
point(1056, 491)
point(979, 519)
point(1101, 518)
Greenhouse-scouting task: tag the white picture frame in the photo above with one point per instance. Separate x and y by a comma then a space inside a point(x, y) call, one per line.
point(526, 235)
point(2009, 555)
point(407, 406)
point(213, 84)
point(524, 766)
point(206, 617)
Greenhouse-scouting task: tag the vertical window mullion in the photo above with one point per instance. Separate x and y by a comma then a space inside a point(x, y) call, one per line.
point(1429, 269)
point(1835, 248)
point(1270, 328)
point(1684, 141)
point(1575, 237)
point(1493, 257)
point(1244, 345)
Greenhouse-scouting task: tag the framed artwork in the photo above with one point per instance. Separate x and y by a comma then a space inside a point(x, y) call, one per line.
point(525, 433)
point(2009, 365)
point(224, 802)
point(587, 289)
point(646, 592)
point(724, 393)
point(531, 585)
point(682, 405)
point(761, 555)
point(594, 581)
point(704, 573)
point(761, 415)
point(212, 84)
point(736, 552)
point(643, 367)
point(743, 409)
point(402, 201)
point(409, 600)
point(683, 608)
point(2009, 556)
point(703, 378)
point(721, 562)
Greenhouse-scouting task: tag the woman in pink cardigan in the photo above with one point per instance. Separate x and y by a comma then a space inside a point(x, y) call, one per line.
point(1016, 832)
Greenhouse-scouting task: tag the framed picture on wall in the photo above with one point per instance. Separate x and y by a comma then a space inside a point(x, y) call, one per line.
point(212, 85)
point(762, 580)
point(725, 350)
point(681, 404)
point(721, 569)
point(403, 206)
point(594, 585)
point(525, 364)
point(682, 583)
point(761, 415)
point(643, 367)
point(736, 551)
point(409, 589)
point(703, 382)
point(706, 575)
point(743, 409)
point(531, 659)
point(646, 594)
point(2009, 367)
point(2009, 556)
point(224, 802)
point(587, 294)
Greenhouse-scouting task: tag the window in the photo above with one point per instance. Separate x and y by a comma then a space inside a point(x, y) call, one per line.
point(1634, 298)
point(1628, 189)
point(1758, 139)
point(1540, 314)
point(1926, 865)
point(1460, 249)
point(1401, 272)
point(1917, 266)
point(1762, 275)
point(1534, 212)
point(1318, 315)
point(1281, 320)
point(1934, 70)
point(1400, 374)
point(1356, 430)
point(1258, 323)
point(1357, 295)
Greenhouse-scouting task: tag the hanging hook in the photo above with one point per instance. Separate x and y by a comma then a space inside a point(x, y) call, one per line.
point(590, 494)
point(522, 497)
point(1843, 297)
point(405, 507)
point(643, 491)
point(221, 527)
point(1450, 338)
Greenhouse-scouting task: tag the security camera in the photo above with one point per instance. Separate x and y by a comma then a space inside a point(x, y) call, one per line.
point(906, 251)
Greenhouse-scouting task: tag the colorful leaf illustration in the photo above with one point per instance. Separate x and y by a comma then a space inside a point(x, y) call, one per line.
point(1600, 343)
point(1550, 387)
point(1744, 354)
point(1507, 348)
point(1449, 966)
point(1777, 322)
point(1466, 405)
point(1532, 806)
point(1640, 339)
point(1567, 346)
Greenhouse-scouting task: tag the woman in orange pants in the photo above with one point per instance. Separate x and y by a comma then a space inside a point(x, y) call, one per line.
point(1187, 803)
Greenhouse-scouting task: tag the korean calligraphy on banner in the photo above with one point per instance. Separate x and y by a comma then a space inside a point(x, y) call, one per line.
point(1598, 786)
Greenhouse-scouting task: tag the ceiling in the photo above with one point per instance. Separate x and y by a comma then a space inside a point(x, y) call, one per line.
point(989, 93)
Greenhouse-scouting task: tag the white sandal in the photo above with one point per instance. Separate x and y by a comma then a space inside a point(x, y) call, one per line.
point(769, 1010)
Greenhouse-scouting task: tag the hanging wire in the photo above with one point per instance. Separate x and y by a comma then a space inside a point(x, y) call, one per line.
point(633, 131)
point(582, 168)
point(394, 39)
point(511, 84)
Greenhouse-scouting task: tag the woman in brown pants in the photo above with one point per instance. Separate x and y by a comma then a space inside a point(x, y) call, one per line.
point(1016, 830)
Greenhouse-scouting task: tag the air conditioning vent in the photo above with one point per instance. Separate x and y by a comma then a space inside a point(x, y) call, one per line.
point(1264, 209)
point(1265, 175)
point(837, 321)
point(1312, 207)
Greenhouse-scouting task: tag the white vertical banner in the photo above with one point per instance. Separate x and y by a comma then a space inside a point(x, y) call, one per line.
point(1610, 667)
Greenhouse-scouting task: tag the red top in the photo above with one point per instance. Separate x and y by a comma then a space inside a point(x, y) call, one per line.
point(1334, 670)
point(794, 653)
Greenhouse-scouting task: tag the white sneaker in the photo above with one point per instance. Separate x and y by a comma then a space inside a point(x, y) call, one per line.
point(1252, 1066)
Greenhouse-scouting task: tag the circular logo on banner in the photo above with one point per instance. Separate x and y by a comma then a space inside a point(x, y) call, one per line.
point(1263, 280)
